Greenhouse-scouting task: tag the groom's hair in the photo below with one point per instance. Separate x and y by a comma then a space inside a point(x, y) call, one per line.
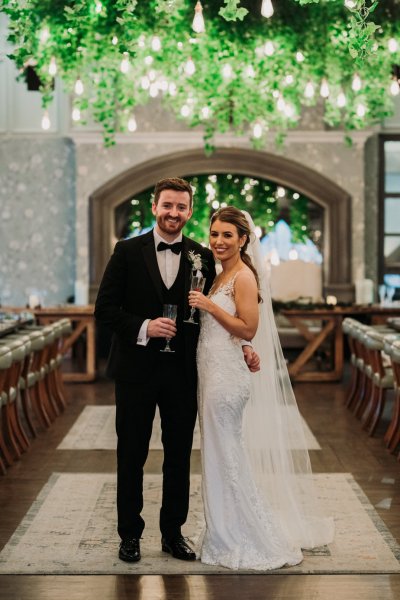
point(173, 183)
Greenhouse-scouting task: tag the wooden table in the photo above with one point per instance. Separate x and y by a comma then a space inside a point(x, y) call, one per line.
point(82, 320)
point(331, 332)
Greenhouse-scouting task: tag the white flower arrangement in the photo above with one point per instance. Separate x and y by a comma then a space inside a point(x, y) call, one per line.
point(195, 260)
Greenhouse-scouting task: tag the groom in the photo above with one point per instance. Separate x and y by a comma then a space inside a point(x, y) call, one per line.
point(144, 273)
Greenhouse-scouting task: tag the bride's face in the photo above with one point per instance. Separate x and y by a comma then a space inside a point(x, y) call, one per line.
point(224, 240)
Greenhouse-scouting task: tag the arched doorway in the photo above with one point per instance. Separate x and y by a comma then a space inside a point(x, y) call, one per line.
point(334, 200)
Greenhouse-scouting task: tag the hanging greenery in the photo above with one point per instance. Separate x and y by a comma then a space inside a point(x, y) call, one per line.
point(249, 76)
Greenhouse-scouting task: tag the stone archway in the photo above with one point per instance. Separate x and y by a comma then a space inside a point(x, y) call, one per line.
point(335, 201)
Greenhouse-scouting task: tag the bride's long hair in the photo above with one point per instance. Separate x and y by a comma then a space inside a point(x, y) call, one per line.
point(234, 216)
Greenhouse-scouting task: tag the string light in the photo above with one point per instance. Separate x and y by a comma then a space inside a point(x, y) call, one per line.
point(361, 110)
point(52, 67)
point(156, 43)
point(78, 88)
point(309, 90)
point(293, 254)
point(269, 48)
point(395, 87)
point(98, 7)
point(341, 100)
point(76, 114)
point(44, 35)
point(257, 131)
point(205, 112)
point(46, 123)
point(190, 67)
point(227, 71)
point(198, 24)
point(324, 89)
point(356, 83)
point(132, 125)
point(393, 45)
point(124, 67)
point(114, 40)
point(300, 57)
point(249, 71)
point(267, 10)
point(350, 4)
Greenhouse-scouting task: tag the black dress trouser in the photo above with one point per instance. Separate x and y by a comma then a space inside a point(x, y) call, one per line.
point(135, 410)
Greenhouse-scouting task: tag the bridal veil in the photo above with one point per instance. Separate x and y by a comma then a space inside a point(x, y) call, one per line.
point(273, 431)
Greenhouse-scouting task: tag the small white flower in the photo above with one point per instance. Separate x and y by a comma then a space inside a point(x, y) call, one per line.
point(196, 261)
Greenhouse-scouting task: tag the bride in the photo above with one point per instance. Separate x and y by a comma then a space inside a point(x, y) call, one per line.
point(260, 506)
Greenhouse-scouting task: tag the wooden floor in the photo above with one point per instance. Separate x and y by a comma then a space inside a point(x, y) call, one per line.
point(345, 448)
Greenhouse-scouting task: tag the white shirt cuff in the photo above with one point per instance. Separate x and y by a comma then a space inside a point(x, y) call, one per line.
point(142, 338)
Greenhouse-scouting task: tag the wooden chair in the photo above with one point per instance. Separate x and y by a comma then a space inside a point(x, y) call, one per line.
point(16, 435)
point(381, 376)
point(392, 435)
point(6, 459)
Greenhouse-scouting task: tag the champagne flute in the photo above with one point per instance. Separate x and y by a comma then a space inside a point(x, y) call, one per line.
point(169, 311)
point(197, 284)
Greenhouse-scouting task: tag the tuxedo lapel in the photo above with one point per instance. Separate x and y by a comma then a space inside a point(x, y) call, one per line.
point(149, 255)
point(188, 273)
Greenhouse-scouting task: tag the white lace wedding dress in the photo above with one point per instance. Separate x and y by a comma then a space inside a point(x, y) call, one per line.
point(240, 532)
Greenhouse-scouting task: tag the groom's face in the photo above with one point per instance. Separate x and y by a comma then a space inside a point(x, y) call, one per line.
point(172, 211)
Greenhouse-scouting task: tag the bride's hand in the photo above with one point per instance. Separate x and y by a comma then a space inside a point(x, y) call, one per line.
point(199, 301)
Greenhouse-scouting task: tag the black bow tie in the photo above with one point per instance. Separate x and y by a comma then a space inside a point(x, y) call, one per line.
point(176, 248)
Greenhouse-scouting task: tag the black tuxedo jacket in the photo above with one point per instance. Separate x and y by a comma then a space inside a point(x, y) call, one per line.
point(130, 292)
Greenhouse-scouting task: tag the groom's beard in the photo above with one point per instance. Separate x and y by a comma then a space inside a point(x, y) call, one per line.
point(171, 226)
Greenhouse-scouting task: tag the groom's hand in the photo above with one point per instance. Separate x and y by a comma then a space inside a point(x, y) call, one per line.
point(252, 359)
point(161, 327)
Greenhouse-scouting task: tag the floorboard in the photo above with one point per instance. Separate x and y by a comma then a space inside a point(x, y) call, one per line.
point(345, 448)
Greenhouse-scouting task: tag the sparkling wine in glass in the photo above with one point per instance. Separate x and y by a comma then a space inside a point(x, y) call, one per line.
point(169, 311)
point(197, 284)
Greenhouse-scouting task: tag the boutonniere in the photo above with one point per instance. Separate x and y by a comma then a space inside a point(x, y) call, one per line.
point(196, 261)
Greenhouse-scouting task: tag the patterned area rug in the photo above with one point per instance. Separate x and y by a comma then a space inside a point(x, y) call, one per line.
point(95, 430)
point(70, 529)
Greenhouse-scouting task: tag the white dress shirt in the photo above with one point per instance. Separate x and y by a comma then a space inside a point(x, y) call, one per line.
point(168, 264)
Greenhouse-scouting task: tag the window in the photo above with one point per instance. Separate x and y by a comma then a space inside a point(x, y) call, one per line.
point(389, 222)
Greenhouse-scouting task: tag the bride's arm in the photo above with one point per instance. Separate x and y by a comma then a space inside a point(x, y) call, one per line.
point(244, 324)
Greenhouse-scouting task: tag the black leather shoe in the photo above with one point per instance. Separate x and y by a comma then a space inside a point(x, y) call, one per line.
point(129, 550)
point(178, 548)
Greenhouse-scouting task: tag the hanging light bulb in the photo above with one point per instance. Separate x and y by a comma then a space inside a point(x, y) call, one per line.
point(132, 125)
point(156, 43)
point(257, 131)
point(393, 45)
point(227, 71)
point(198, 24)
point(395, 87)
point(124, 66)
point(185, 110)
point(76, 114)
point(269, 48)
point(44, 35)
point(144, 82)
point(324, 89)
point(190, 67)
point(249, 71)
point(267, 10)
point(356, 84)
point(153, 91)
point(361, 110)
point(78, 87)
point(309, 90)
point(341, 99)
point(46, 121)
point(52, 66)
